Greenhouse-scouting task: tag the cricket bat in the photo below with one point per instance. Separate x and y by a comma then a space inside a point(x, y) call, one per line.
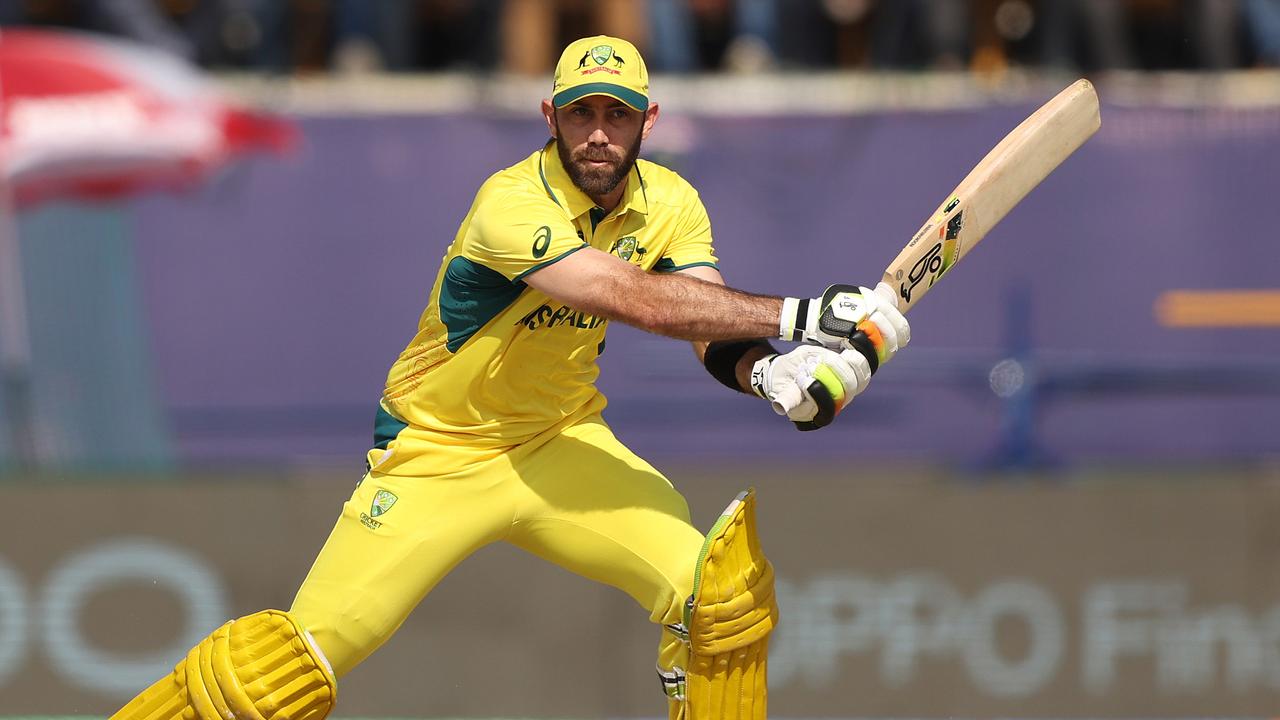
point(1012, 169)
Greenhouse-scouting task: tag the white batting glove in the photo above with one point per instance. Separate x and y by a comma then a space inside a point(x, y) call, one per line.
point(810, 384)
point(849, 317)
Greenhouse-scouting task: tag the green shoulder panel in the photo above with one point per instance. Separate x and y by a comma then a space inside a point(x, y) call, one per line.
point(470, 296)
point(385, 428)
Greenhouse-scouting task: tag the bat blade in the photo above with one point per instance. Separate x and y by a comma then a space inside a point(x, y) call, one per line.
point(1012, 169)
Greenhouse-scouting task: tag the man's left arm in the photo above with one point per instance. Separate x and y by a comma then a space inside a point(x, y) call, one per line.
point(742, 369)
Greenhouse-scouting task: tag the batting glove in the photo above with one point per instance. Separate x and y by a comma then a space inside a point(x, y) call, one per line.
point(849, 317)
point(810, 384)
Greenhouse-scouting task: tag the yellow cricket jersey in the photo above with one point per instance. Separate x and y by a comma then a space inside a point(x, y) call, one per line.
point(495, 363)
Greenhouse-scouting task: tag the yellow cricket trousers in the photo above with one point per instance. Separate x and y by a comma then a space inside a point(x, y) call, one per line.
point(581, 500)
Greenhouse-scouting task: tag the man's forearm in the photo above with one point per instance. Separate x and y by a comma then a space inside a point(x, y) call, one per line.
point(680, 306)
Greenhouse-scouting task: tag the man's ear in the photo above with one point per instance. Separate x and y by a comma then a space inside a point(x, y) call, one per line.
point(549, 114)
point(650, 118)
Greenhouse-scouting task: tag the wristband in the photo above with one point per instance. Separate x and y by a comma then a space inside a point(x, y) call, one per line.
point(795, 316)
point(722, 356)
point(760, 375)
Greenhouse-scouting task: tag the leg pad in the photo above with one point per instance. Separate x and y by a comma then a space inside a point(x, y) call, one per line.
point(261, 667)
point(729, 618)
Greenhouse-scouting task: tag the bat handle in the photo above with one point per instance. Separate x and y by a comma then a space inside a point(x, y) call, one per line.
point(788, 400)
point(887, 293)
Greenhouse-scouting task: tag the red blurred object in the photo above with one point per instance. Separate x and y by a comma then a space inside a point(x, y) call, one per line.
point(94, 118)
point(87, 116)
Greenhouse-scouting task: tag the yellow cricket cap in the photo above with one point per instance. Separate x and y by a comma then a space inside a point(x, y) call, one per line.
point(601, 65)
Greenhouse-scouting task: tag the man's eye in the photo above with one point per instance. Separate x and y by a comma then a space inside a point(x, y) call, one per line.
point(619, 114)
point(581, 111)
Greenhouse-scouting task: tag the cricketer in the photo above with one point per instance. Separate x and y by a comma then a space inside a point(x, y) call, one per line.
point(490, 425)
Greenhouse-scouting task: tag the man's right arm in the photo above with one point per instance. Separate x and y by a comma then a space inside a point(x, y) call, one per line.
point(671, 304)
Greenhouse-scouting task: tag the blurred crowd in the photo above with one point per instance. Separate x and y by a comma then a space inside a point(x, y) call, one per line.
point(524, 36)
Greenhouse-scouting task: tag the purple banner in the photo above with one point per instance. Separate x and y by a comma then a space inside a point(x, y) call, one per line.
point(278, 299)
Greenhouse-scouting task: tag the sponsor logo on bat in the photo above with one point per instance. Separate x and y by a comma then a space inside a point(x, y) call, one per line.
point(939, 259)
point(925, 266)
point(923, 232)
point(951, 248)
point(937, 219)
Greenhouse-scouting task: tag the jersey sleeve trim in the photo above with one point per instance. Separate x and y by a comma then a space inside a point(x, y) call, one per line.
point(552, 261)
point(665, 265)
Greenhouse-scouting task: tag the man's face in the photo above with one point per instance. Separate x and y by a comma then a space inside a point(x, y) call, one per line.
point(598, 139)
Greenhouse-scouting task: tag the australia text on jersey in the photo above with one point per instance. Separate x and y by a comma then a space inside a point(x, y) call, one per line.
point(545, 316)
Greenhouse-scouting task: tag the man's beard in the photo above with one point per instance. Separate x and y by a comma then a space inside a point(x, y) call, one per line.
point(596, 182)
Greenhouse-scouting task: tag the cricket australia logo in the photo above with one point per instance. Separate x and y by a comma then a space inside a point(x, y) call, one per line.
point(625, 247)
point(382, 502)
point(601, 54)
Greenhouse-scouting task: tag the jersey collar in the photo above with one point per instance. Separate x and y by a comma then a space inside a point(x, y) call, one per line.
point(556, 182)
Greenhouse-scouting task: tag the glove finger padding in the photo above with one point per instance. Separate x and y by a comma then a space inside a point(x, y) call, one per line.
point(836, 380)
point(825, 406)
point(810, 384)
point(855, 371)
point(892, 316)
point(883, 332)
point(867, 341)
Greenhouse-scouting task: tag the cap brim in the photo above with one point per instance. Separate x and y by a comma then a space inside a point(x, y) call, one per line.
point(617, 92)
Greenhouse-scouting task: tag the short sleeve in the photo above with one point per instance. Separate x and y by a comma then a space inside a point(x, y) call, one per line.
point(691, 246)
point(515, 236)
